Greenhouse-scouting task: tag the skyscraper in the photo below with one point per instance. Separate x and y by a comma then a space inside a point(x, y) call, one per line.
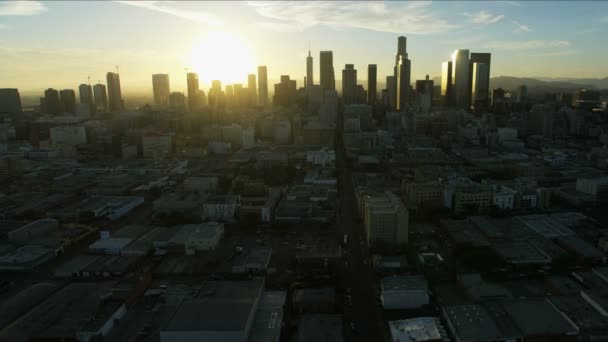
point(10, 102)
point(349, 84)
point(177, 101)
point(285, 92)
point(480, 87)
point(101, 97)
point(446, 83)
point(460, 78)
point(68, 100)
point(85, 91)
point(391, 87)
point(372, 71)
point(328, 81)
point(402, 74)
point(262, 85)
point(52, 103)
point(114, 93)
point(481, 101)
point(309, 68)
point(192, 85)
point(251, 89)
point(161, 89)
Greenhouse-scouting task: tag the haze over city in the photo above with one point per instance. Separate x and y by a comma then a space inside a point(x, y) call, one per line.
point(187, 171)
point(82, 39)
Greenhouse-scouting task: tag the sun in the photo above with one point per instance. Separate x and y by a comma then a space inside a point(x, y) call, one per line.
point(221, 55)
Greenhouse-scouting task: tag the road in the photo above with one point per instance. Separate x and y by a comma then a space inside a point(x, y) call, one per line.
point(358, 275)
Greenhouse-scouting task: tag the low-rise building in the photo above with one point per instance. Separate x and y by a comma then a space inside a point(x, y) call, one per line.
point(204, 237)
point(404, 292)
point(220, 208)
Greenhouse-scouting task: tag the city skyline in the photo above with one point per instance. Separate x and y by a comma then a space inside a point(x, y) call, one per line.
point(523, 44)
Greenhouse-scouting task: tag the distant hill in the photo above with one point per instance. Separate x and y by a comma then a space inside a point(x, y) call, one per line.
point(541, 85)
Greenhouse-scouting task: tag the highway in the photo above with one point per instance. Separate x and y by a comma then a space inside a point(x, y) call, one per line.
point(362, 313)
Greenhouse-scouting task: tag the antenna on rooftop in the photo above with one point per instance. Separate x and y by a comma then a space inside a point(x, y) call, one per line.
point(117, 69)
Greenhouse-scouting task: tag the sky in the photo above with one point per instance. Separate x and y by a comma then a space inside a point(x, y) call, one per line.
point(60, 44)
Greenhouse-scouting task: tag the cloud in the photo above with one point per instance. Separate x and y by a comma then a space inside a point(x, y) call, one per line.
point(3, 27)
point(605, 19)
point(168, 8)
point(555, 53)
point(395, 17)
point(527, 44)
point(21, 8)
point(521, 27)
point(485, 18)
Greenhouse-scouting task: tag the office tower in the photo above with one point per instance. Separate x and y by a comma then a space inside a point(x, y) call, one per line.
point(52, 103)
point(404, 71)
point(85, 91)
point(229, 94)
point(251, 89)
point(372, 71)
point(101, 97)
point(483, 102)
point(446, 83)
point(10, 102)
point(391, 88)
point(68, 100)
point(402, 74)
point(480, 87)
point(216, 95)
point(192, 85)
point(239, 94)
point(326, 65)
point(424, 93)
point(114, 94)
point(285, 92)
point(177, 100)
point(161, 89)
point(460, 78)
point(309, 72)
point(349, 84)
point(262, 85)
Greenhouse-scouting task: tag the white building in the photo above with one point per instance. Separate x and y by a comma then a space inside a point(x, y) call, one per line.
point(219, 147)
point(68, 135)
point(156, 146)
point(204, 237)
point(593, 186)
point(282, 132)
point(248, 138)
point(321, 157)
point(404, 292)
point(220, 208)
point(506, 134)
point(504, 198)
point(201, 184)
point(233, 134)
point(419, 329)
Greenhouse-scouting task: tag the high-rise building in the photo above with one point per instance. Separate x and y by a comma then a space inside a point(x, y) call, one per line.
point(372, 84)
point(161, 89)
point(326, 65)
point(85, 91)
point(309, 70)
point(480, 87)
point(460, 78)
point(52, 103)
point(285, 92)
point(192, 85)
point(349, 84)
point(262, 85)
point(114, 93)
point(216, 95)
point(177, 101)
point(101, 97)
point(251, 89)
point(446, 83)
point(481, 102)
point(391, 87)
point(68, 100)
point(10, 102)
point(402, 74)
point(424, 93)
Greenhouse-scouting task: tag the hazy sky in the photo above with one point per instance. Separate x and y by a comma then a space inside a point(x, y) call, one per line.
point(58, 44)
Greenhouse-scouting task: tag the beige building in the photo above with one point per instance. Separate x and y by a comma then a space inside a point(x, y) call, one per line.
point(386, 219)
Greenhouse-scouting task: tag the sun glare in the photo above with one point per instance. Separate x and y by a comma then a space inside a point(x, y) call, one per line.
point(221, 55)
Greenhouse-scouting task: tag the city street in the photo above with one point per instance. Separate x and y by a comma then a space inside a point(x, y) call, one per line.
point(362, 319)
